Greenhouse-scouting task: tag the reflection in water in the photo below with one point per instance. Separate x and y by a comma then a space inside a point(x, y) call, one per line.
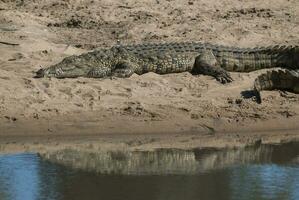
point(272, 174)
point(171, 161)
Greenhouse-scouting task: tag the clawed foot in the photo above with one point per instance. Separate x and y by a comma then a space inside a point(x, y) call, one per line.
point(224, 77)
point(207, 64)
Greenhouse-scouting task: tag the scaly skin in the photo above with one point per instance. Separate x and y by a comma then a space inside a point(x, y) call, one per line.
point(281, 80)
point(197, 58)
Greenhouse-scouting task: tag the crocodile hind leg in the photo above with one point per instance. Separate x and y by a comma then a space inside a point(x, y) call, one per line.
point(207, 64)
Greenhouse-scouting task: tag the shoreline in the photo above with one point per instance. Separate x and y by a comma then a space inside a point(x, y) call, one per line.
point(86, 125)
point(148, 140)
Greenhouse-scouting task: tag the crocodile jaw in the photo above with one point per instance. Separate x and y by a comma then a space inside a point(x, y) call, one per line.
point(48, 72)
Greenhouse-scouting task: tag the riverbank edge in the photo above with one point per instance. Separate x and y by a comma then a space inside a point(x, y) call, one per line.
point(15, 138)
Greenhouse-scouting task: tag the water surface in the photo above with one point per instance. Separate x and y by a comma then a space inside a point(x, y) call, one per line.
point(265, 172)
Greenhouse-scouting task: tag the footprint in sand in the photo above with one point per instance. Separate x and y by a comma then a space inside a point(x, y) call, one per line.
point(28, 83)
point(66, 90)
point(87, 96)
point(16, 56)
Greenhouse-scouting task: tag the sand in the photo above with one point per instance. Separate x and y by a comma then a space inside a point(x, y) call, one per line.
point(41, 33)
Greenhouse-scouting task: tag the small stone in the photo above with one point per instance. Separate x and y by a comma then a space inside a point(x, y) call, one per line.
point(35, 116)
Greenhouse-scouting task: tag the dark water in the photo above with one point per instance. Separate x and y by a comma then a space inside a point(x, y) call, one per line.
point(270, 172)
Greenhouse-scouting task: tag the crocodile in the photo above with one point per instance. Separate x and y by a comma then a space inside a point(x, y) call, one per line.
point(281, 80)
point(163, 58)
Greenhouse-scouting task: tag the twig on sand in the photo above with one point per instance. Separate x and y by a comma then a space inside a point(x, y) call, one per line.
point(8, 43)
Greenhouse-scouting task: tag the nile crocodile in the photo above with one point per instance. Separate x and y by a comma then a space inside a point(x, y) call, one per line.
point(281, 79)
point(164, 58)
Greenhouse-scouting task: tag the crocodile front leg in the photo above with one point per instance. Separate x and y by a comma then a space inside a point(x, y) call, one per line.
point(99, 72)
point(124, 69)
point(207, 64)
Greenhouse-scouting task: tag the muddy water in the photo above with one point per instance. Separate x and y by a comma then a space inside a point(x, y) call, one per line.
point(260, 172)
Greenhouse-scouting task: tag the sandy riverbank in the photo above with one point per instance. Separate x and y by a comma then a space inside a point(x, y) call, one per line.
point(169, 106)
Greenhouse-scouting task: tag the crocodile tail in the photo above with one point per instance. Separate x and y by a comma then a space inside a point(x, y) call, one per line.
point(247, 60)
point(286, 56)
point(278, 79)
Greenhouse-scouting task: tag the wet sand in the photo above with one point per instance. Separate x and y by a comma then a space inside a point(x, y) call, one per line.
point(93, 139)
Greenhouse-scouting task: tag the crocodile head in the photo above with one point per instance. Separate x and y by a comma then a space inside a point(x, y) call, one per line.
point(63, 71)
point(47, 72)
